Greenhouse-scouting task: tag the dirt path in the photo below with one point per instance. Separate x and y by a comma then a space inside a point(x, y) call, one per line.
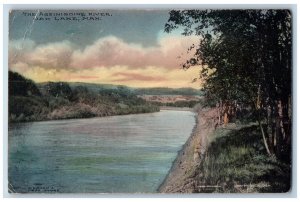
point(180, 178)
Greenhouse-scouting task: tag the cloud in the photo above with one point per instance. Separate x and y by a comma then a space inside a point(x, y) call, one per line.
point(107, 60)
point(105, 52)
point(19, 50)
point(111, 51)
point(52, 56)
point(49, 56)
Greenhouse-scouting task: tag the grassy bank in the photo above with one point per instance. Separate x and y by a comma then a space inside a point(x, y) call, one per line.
point(236, 161)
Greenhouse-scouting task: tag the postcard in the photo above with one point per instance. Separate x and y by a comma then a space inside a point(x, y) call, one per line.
point(149, 101)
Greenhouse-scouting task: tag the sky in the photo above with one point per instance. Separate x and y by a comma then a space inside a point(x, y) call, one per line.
point(121, 47)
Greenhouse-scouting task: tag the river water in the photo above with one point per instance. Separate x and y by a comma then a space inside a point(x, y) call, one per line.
point(117, 154)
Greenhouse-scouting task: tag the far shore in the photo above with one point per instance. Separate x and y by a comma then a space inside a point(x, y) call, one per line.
point(90, 117)
point(176, 108)
point(73, 118)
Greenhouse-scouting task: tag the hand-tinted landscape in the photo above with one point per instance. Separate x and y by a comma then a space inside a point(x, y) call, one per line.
point(146, 101)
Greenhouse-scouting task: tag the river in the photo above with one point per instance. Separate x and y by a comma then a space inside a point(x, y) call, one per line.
point(117, 154)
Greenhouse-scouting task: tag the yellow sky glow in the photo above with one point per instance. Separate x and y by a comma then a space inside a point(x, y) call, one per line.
point(176, 78)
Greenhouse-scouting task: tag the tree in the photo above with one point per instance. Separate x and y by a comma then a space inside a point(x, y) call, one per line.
point(20, 86)
point(245, 58)
point(59, 89)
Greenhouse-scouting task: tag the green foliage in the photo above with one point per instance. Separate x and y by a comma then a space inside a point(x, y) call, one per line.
point(246, 60)
point(92, 87)
point(56, 102)
point(245, 48)
point(189, 104)
point(20, 86)
point(241, 46)
point(60, 101)
point(118, 94)
point(237, 157)
point(31, 108)
point(59, 89)
point(98, 88)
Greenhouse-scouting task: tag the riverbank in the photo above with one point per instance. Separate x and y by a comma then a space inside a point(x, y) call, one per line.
point(180, 179)
point(226, 159)
point(35, 108)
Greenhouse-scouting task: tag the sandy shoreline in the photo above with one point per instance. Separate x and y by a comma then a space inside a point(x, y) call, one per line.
point(180, 177)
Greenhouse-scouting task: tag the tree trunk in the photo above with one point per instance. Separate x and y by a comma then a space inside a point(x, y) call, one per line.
point(264, 137)
point(219, 112)
point(270, 128)
point(226, 115)
point(257, 107)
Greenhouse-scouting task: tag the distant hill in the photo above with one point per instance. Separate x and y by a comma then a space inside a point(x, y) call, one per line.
point(96, 88)
point(168, 91)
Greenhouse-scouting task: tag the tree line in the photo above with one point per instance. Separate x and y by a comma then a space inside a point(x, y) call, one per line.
point(246, 64)
point(57, 100)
